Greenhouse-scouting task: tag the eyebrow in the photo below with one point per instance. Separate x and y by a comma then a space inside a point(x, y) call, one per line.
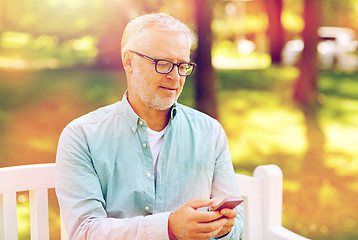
point(179, 60)
point(169, 59)
point(164, 58)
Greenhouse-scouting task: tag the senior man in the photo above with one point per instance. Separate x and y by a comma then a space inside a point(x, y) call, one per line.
point(147, 167)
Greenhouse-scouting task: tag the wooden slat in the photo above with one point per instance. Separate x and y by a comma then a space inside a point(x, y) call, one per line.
point(24, 178)
point(271, 176)
point(8, 217)
point(39, 214)
point(281, 233)
point(248, 185)
point(63, 230)
point(251, 190)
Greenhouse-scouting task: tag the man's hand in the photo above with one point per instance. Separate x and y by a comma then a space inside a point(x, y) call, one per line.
point(230, 215)
point(188, 223)
point(227, 213)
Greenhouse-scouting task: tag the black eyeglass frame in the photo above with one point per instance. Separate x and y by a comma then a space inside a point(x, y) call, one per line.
point(173, 64)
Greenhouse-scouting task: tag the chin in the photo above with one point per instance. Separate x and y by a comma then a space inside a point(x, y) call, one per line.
point(163, 104)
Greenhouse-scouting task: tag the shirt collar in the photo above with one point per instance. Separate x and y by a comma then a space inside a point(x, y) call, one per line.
point(134, 119)
point(174, 110)
point(129, 113)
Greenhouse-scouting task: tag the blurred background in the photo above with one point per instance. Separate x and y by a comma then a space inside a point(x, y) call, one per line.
point(280, 75)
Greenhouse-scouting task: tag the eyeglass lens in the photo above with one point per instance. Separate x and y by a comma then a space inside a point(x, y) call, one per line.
point(184, 69)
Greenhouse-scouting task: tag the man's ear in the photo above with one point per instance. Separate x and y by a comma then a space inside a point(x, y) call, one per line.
point(127, 61)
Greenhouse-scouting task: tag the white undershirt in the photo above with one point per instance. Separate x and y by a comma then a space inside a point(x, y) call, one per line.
point(155, 140)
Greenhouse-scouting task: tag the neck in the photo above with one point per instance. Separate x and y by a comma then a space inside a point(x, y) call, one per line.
point(156, 120)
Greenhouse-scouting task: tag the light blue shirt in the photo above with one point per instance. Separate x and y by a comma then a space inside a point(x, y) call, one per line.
point(105, 174)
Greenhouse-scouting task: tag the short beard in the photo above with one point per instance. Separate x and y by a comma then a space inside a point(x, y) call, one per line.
point(162, 104)
point(154, 102)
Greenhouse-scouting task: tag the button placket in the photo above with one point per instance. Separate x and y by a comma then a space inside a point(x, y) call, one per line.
point(149, 195)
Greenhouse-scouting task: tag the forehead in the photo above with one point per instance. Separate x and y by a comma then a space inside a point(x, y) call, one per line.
point(166, 44)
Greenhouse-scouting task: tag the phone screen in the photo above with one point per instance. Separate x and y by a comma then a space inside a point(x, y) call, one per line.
point(227, 203)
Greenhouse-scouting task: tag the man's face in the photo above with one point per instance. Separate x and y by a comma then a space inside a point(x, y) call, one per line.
point(146, 87)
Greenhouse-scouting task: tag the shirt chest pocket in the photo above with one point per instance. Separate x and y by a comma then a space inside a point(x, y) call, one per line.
point(195, 180)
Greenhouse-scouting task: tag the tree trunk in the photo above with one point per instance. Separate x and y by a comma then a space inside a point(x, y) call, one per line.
point(205, 79)
point(109, 45)
point(275, 29)
point(305, 91)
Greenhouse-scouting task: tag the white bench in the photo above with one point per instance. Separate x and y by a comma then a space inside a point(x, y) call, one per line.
point(262, 194)
point(263, 205)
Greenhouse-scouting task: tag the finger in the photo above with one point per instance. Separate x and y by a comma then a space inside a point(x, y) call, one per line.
point(215, 202)
point(230, 213)
point(230, 222)
point(207, 235)
point(206, 216)
point(224, 230)
point(211, 226)
point(227, 227)
point(199, 203)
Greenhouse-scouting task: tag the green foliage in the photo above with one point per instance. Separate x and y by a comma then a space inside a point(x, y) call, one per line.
point(65, 19)
point(340, 13)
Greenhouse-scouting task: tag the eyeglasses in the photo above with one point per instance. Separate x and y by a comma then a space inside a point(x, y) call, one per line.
point(164, 66)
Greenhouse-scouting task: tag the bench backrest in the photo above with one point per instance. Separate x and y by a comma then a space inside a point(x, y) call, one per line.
point(262, 194)
point(36, 179)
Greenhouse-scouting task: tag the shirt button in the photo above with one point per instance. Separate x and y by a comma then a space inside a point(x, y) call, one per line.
point(148, 174)
point(140, 122)
point(144, 145)
point(146, 208)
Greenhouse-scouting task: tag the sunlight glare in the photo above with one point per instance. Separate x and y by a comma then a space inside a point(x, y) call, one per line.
point(280, 129)
point(341, 138)
point(292, 21)
point(291, 186)
point(46, 145)
point(328, 194)
point(11, 39)
point(84, 44)
point(66, 3)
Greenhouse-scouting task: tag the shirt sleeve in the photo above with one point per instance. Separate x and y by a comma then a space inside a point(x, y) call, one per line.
point(225, 184)
point(81, 201)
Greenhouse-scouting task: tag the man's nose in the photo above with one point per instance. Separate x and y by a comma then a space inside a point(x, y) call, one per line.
point(174, 73)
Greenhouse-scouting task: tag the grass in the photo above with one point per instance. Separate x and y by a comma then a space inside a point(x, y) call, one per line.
point(316, 149)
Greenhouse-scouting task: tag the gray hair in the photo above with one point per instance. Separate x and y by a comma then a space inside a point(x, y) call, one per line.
point(137, 29)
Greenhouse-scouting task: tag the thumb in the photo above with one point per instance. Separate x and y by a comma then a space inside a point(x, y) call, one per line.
point(199, 203)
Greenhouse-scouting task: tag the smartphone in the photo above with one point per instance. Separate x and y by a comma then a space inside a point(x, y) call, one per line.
point(227, 203)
